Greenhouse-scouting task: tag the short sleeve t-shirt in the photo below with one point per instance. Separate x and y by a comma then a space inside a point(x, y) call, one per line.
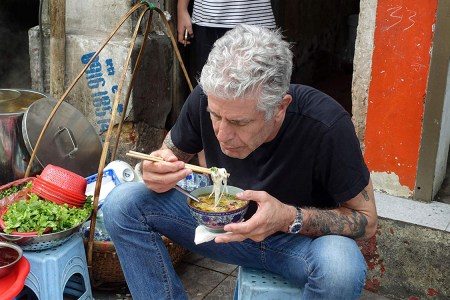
point(229, 13)
point(315, 160)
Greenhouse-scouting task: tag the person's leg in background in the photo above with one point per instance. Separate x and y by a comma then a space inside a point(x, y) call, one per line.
point(201, 44)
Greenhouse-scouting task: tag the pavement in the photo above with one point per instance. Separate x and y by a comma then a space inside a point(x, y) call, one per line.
point(206, 279)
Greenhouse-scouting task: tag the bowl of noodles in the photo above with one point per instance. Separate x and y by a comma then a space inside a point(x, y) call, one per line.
point(214, 216)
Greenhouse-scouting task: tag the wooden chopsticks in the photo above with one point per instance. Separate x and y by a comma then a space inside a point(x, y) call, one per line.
point(194, 168)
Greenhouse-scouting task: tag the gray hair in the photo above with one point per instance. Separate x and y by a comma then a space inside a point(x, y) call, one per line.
point(249, 61)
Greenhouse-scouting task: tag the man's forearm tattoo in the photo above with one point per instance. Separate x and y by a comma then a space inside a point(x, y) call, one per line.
point(323, 222)
point(178, 153)
point(365, 195)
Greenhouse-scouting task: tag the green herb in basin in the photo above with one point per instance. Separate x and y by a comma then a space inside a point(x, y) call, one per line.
point(37, 214)
point(14, 189)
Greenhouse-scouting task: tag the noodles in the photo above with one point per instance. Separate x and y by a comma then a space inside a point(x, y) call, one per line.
point(219, 177)
point(227, 202)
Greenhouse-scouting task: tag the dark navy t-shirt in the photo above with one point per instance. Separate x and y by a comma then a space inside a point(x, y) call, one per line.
point(315, 159)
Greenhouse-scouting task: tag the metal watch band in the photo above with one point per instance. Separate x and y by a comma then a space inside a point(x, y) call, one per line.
point(297, 225)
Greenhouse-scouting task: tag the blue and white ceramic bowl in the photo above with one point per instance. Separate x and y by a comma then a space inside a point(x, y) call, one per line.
point(194, 181)
point(215, 221)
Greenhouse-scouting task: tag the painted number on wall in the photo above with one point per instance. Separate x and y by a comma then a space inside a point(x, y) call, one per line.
point(401, 16)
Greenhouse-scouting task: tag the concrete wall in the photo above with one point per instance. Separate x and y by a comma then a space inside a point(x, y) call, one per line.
point(444, 140)
point(434, 142)
point(362, 64)
point(403, 38)
point(94, 94)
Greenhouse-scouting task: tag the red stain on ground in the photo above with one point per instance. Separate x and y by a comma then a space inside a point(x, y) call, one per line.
point(391, 230)
point(372, 285)
point(370, 251)
point(432, 292)
point(413, 298)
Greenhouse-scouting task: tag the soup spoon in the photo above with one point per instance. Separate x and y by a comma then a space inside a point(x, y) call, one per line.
point(183, 191)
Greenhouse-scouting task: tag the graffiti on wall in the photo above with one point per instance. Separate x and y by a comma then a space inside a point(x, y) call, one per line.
point(101, 82)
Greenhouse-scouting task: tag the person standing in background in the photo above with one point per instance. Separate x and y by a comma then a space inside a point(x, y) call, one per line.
point(211, 19)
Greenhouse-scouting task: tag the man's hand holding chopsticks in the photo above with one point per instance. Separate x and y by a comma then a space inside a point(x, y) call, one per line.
point(163, 175)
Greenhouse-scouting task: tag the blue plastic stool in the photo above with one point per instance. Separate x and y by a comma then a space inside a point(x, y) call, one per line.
point(261, 284)
point(60, 271)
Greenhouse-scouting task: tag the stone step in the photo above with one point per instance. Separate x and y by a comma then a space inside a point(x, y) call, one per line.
point(409, 257)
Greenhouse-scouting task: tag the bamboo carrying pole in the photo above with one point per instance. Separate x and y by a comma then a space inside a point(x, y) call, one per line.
point(57, 46)
point(149, 7)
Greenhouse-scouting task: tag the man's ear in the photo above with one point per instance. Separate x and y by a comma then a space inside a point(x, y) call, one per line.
point(282, 107)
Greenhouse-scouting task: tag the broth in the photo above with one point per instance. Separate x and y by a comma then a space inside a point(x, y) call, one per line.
point(226, 203)
point(7, 256)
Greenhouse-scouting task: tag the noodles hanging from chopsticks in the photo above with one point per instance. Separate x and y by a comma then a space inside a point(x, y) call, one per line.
point(219, 178)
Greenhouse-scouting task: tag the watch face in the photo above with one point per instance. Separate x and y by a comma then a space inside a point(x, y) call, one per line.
point(295, 228)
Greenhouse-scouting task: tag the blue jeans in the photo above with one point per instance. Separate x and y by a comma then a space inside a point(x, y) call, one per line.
point(329, 267)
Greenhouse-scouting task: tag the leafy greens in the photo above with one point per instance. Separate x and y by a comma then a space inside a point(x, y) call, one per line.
point(37, 214)
point(14, 189)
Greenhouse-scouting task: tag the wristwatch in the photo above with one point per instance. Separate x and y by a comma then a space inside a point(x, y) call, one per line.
point(297, 225)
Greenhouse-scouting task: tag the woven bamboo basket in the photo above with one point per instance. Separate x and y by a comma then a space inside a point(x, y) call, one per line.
point(103, 263)
point(106, 267)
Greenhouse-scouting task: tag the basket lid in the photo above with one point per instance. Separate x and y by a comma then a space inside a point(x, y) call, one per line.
point(69, 141)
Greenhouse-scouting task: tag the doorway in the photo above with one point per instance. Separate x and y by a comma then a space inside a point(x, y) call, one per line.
point(16, 17)
point(323, 35)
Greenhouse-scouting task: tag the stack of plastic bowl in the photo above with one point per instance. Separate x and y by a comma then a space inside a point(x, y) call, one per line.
point(60, 186)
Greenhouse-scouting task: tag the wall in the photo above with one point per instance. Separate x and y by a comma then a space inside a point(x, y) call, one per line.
point(400, 65)
point(363, 66)
point(434, 142)
point(94, 94)
point(444, 140)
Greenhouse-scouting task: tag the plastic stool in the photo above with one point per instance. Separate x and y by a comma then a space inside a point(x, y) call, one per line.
point(60, 271)
point(261, 284)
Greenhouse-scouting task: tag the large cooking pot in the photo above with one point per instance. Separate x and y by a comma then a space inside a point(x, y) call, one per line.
point(14, 156)
point(70, 141)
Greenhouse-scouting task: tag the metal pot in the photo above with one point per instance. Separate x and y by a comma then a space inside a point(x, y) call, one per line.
point(70, 141)
point(14, 156)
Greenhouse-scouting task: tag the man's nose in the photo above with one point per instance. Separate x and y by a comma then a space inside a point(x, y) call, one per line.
point(225, 131)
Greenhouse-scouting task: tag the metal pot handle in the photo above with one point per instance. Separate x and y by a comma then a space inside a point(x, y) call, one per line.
point(71, 137)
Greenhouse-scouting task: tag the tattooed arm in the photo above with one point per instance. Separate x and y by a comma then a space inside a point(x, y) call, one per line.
point(356, 218)
point(168, 144)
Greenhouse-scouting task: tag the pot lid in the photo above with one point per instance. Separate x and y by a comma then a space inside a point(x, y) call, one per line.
point(69, 141)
